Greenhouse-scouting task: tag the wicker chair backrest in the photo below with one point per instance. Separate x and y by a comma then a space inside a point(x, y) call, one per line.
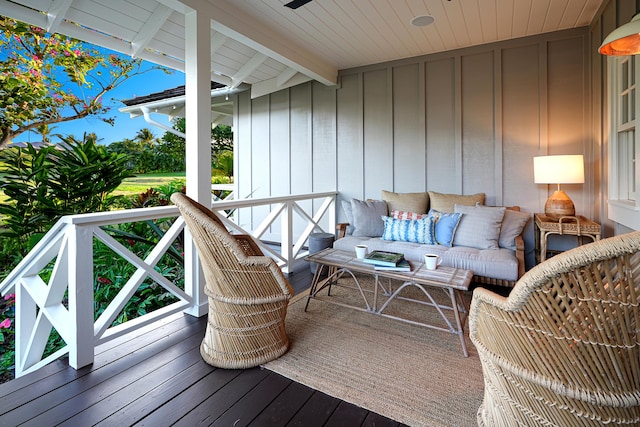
point(229, 270)
point(568, 335)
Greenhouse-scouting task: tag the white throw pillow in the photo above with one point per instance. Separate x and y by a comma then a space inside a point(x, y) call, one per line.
point(479, 226)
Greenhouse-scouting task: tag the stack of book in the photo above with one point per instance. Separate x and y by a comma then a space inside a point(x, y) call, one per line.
point(390, 261)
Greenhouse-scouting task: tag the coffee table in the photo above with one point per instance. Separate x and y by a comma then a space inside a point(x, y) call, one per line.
point(453, 281)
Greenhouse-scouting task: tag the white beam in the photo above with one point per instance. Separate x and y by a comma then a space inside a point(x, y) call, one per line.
point(150, 28)
point(235, 24)
point(285, 76)
point(248, 68)
point(57, 11)
point(272, 85)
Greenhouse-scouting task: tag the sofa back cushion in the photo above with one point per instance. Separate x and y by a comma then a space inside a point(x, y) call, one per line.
point(513, 223)
point(367, 217)
point(479, 226)
point(446, 202)
point(409, 202)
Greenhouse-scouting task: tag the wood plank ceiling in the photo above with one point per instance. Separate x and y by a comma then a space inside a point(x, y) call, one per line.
point(269, 46)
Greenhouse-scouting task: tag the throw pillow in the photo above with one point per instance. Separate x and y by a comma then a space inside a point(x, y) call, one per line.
point(479, 226)
point(445, 226)
point(512, 225)
point(446, 202)
point(405, 215)
point(412, 202)
point(346, 207)
point(367, 217)
point(409, 230)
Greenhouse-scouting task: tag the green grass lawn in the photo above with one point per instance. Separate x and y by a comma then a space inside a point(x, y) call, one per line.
point(141, 183)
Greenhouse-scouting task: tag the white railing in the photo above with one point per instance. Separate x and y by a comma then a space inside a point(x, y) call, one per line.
point(65, 301)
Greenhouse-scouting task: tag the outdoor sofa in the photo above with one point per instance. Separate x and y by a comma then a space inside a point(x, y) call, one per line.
point(458, 228)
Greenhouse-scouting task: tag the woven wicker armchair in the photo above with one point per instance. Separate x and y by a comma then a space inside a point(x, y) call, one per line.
point(564, 348)
point(248, 294)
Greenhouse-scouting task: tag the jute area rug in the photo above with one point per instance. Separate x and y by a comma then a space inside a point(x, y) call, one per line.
point(411, 374)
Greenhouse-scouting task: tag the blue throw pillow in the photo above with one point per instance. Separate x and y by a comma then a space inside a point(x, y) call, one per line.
point(409, 230)
point(445, 226)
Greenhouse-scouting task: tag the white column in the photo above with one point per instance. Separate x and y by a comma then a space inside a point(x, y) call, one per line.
point(198, 141)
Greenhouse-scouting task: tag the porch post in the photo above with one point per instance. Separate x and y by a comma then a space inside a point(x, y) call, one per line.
point(81, 300)
point(198, 141)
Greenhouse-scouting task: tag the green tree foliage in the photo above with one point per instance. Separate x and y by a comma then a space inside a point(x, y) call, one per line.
point(49, 78)
point(75, 176)
point(170, 151)
point(140, 152)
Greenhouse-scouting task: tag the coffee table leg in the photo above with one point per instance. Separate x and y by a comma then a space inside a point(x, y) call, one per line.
point(456, 312)
point(314, 284)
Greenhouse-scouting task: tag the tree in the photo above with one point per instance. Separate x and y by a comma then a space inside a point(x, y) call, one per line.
point(50, 78)
point(170, 151)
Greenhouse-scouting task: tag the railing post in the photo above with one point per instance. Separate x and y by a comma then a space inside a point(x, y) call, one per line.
point(80, 267)
point(194, 281)
point(286, 245)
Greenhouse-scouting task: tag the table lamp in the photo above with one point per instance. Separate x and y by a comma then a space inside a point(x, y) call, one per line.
point(564, 169)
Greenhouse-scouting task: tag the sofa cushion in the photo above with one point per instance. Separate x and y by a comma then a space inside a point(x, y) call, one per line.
point(446, 202)
point(512, 225)
point(367, 217)
point(498, 264)
point(406, 214)
point(412, 202)
point(445, 226)
point(479, 226)
point(409, 230)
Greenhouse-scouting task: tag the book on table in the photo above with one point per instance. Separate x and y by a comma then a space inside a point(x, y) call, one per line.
point(401, 266)
point(383, 258)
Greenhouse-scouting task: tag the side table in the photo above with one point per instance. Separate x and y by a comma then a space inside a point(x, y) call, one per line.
point(567, 225)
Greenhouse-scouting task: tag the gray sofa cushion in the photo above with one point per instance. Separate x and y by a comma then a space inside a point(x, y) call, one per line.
point(479, 226)
point(367, 217)
point(493, 263)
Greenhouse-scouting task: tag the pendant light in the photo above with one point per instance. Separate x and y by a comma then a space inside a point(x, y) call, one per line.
point(624, 40)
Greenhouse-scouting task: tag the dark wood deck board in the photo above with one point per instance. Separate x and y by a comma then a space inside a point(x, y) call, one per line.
point(156, 377)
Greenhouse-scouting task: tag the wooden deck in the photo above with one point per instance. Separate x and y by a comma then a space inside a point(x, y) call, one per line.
point(156, 377)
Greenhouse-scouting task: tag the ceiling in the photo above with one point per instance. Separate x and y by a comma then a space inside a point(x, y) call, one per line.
point(270, 47)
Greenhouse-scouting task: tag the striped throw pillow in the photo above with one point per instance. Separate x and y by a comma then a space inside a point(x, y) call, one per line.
point(409, 230)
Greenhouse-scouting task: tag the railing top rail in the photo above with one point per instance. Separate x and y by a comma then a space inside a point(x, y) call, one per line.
point(243, 203)
point(120, 216)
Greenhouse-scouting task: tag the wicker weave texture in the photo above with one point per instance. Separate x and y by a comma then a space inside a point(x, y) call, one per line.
point(248, 294)
point(564, 348)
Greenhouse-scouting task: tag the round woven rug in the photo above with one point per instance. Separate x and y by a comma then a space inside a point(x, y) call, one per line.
point(412, 374)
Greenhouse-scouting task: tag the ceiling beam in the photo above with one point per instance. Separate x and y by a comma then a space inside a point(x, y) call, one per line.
point(150, 29)
point(248, 68)
point(56, 13)
point(235, 24)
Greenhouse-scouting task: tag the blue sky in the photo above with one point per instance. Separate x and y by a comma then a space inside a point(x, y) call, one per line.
point(124, 127)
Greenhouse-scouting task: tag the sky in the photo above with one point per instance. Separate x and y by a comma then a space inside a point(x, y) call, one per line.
point(124, 127)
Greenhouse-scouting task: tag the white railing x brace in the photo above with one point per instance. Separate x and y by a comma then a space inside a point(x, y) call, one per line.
point(65, 302)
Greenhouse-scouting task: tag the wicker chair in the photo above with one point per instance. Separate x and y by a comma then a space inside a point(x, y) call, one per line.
point(564, 348)
point(248, 294)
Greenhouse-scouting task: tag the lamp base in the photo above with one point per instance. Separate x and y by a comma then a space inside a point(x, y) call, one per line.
point(559, 205)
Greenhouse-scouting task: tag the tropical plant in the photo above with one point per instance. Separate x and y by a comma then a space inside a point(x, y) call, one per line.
point(44, 184)
point(50, 78)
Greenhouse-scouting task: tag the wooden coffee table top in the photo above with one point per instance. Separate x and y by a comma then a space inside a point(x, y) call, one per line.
point(446, 277)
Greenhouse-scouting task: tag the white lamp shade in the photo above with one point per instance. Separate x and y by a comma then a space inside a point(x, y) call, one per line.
point(565, 169)
point(624, 40)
